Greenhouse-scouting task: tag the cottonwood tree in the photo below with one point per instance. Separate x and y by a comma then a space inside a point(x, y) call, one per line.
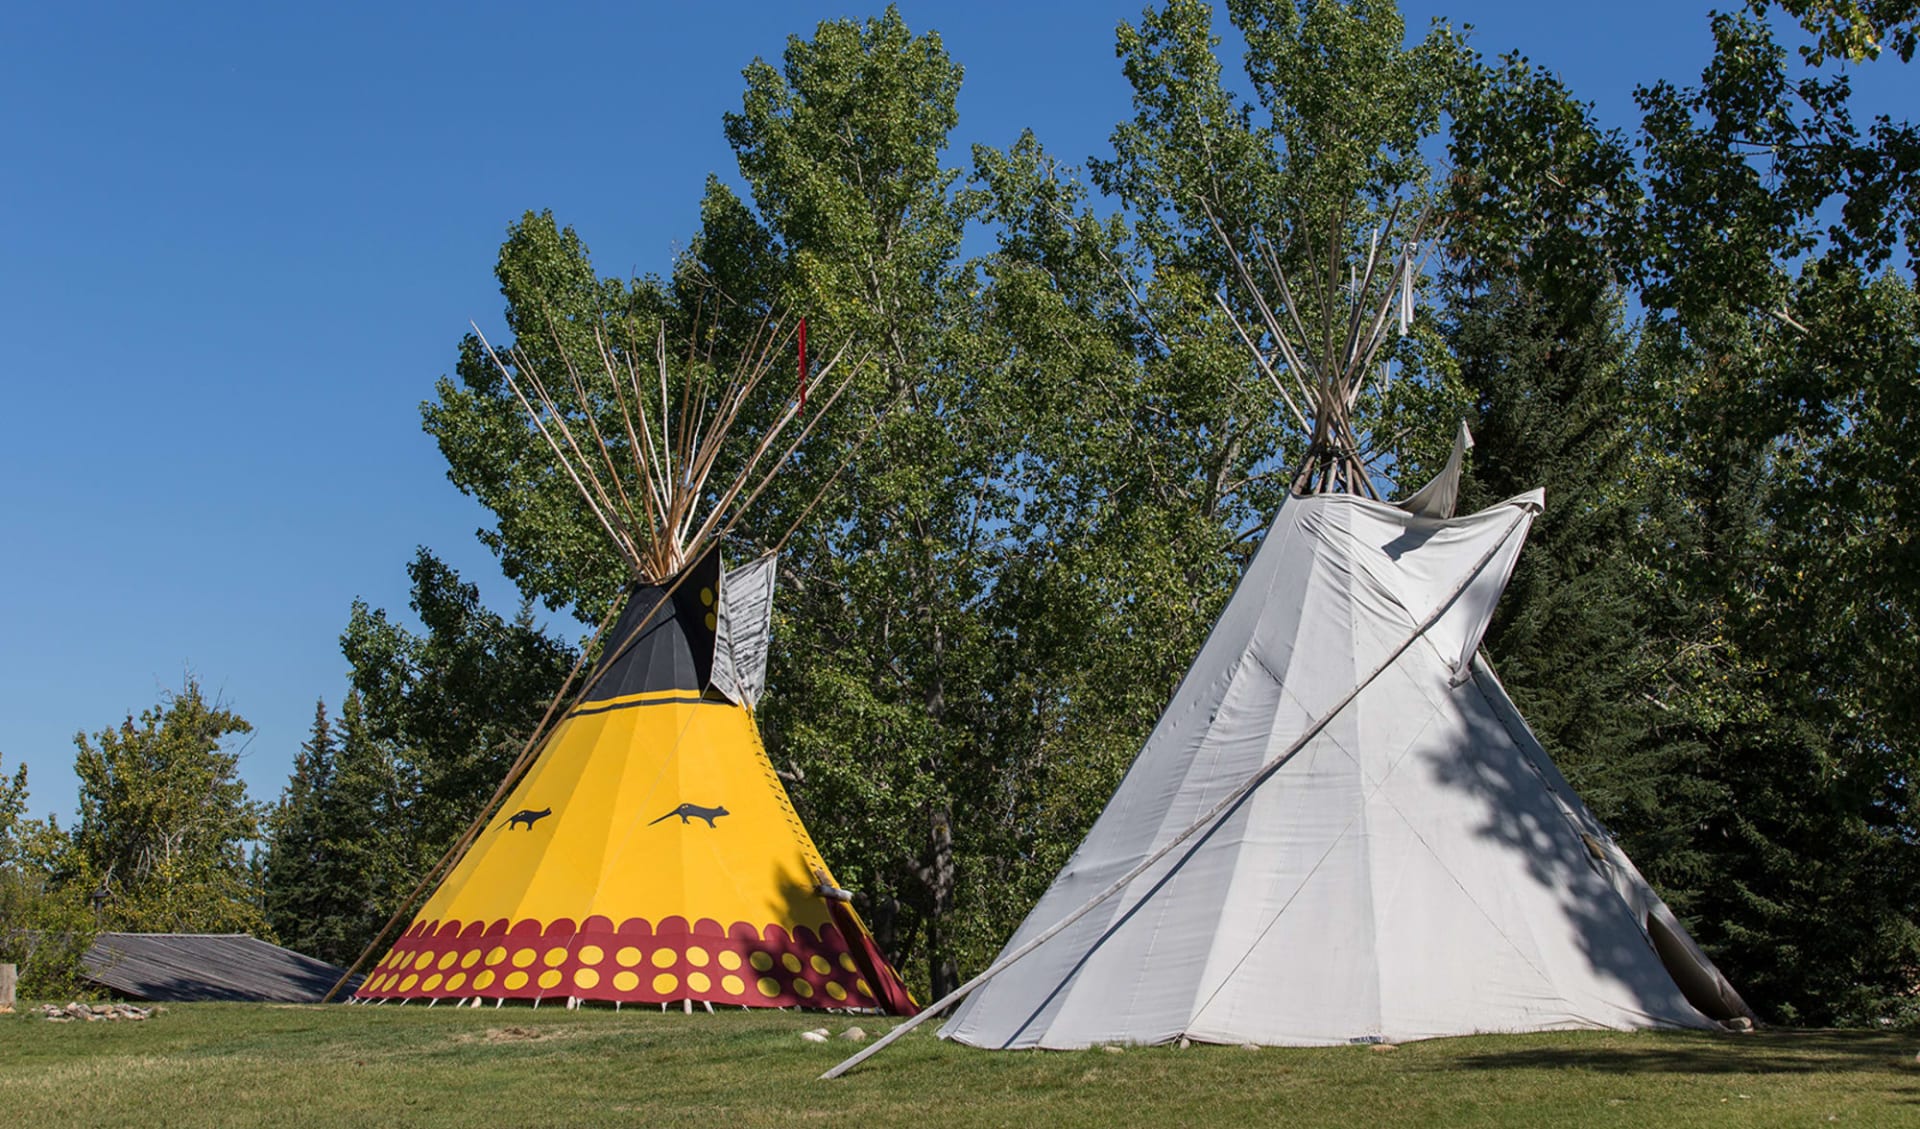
point(165, 822)
point(1761, 508)
point(45, 922)
point(1789, 358)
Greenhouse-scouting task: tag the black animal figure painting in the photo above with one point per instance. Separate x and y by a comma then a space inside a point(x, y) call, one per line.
point(694, 811)
point(528, 816)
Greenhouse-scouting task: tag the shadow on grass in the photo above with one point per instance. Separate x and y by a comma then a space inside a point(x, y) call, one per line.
point(1776, 1051)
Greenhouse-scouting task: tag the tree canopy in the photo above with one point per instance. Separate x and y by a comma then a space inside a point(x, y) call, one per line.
point(165, 822)
point(1700, 334)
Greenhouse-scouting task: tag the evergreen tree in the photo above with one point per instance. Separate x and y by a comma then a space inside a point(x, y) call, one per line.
point(370, 847)
point(1578, 638)
point(296, 902)
point(1788, 364)
point(344, 848)
point(453, 706)
point(1744, 733)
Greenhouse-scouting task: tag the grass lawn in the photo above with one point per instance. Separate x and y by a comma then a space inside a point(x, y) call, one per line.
point(238, 1064)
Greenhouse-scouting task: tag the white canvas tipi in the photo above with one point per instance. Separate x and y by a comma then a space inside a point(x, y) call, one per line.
point(1407, 864)
point(1341, 830)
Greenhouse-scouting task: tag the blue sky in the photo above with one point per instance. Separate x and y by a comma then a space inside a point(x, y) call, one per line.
point(241, 241)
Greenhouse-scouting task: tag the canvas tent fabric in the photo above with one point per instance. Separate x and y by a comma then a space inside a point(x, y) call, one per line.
point(743, 635)
point(1415, 867)
point(650, 853)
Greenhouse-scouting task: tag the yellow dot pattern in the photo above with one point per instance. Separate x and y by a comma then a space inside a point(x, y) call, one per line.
point(706, 965)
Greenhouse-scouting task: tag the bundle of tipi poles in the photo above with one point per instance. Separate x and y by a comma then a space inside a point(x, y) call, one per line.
point(1357, 303)
point(662, 515)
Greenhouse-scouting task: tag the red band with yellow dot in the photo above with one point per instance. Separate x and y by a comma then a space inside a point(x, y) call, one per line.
point(637, 961)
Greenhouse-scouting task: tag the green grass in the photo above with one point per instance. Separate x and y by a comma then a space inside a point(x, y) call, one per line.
point(245, 1065)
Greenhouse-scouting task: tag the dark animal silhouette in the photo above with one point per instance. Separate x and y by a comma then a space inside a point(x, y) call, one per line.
point(694, 811)
point(528, 816)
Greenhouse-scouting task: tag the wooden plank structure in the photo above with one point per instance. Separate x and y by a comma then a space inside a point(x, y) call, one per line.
point(190, 967)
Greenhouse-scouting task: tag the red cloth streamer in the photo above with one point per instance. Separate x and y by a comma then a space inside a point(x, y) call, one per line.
point(803, 364)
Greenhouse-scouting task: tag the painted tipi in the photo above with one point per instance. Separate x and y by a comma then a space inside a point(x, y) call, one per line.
point(649, 852)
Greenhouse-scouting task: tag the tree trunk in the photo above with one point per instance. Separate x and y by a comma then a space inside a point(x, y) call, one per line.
point(943, 973)
point(8, 975)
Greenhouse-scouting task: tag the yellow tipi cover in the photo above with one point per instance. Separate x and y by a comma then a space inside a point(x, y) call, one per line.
point(651, 854)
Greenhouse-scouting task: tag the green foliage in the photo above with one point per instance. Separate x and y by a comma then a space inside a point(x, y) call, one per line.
point(1327, 154)
point(1539, 193)
point(1055, 457)
point(1790, 369)
point(296, 845)
point(338, 860)
point(452, 707)
point(165, 820)
point(45, 925)
point(426, 732)
point(884, 653)
point(1745, 544)
point(547, 542)
point(1855, 30)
